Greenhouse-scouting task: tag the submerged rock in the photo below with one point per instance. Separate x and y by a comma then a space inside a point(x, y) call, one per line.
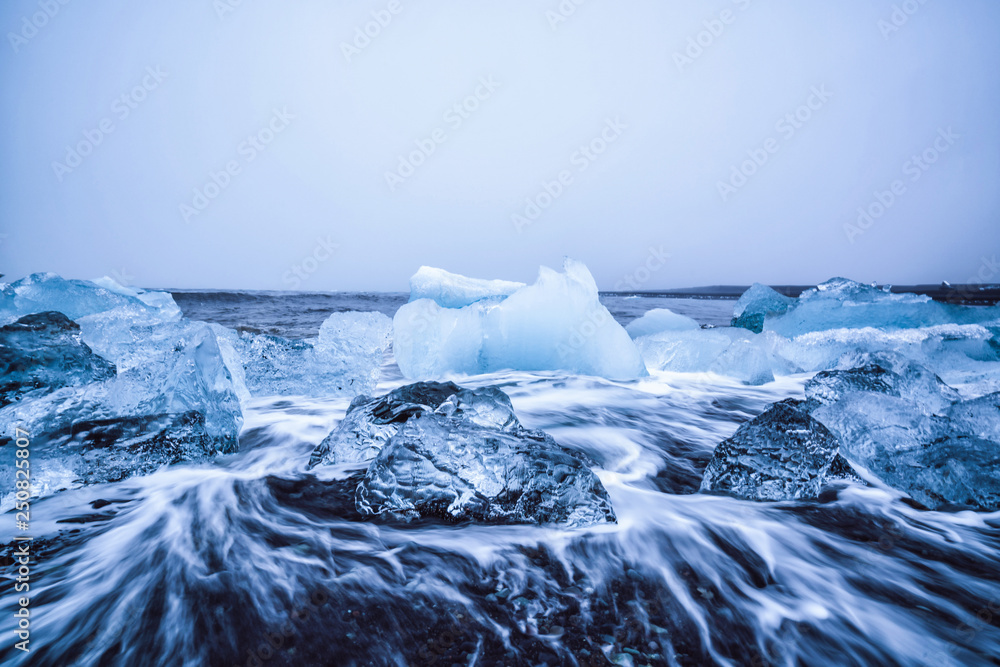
point(43, 352)
point(436, 466)
point(784, 454)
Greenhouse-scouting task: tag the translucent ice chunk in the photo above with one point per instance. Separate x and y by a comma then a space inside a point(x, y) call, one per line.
point(784, 454)
point(756, 304)
point(841, 303)
point(345, 360)
point(902, 427)
point(657, 320)
point(43, 352)
point(174, 402)
point(435, 466)
point(450, 290)
point(727, 351)
point(370, 422)
point(42, 292)
point(556, 324)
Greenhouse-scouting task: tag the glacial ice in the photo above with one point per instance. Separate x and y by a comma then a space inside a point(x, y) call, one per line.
point(558, 323)
point(370, 422)
point(435, 449)
point(175, 402)
point(44, 292)
point(783, 454)
point(450, 290)
point(344, 360)
point(756, 304)
point(840, 303)
point(43, 352)
point(892, 419)
point(905, 428)
point(727, 351)
point(657, 320)
point(435, 466)
point(963, 352)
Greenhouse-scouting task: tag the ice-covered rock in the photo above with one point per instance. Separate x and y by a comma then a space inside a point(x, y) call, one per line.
point(436, 466)
point(345, 360)
point(450, 290)
point(657, 320)
point(783, 454)
point(558, 323)
point(43, 292)
point(43, 352)
point(756, 304)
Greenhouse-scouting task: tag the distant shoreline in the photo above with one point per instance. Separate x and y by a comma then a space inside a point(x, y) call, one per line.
point(974, 295)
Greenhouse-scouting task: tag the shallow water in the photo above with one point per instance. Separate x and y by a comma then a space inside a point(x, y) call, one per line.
point(253, 560)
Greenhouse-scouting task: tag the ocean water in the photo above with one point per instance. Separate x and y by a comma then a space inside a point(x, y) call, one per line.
point(253, 560)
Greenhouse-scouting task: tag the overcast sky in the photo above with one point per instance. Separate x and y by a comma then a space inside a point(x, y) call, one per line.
point(627, 124)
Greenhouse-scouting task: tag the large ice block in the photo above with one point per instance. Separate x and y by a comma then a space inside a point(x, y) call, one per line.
point(435, 466)
point(172, 402)
point(370, 422)
point(903, 428)
point(558, 323)
point(840, 303)
point(42, 292)
point(43, 352)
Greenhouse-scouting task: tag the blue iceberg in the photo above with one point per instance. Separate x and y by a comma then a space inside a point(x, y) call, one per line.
point(556, 324)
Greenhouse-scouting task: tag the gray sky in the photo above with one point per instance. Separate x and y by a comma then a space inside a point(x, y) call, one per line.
point(310, 118)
